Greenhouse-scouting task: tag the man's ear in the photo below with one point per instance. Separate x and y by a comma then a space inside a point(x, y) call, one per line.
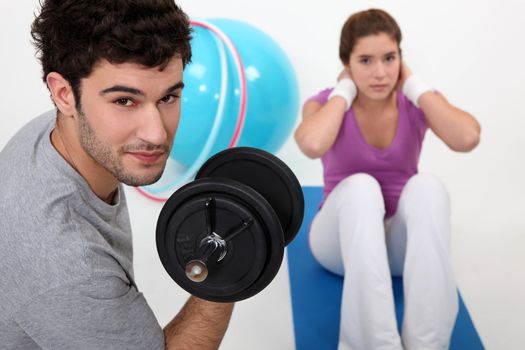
point(61, 93)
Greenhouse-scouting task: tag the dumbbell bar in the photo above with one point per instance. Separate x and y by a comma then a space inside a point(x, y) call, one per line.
point(222, 236)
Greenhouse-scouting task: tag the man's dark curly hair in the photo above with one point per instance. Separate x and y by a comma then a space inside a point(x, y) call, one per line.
point(71, 36)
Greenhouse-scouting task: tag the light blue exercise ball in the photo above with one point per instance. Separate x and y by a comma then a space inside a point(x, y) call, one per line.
point(200, 97)
point(272, 93)
point(273, 97)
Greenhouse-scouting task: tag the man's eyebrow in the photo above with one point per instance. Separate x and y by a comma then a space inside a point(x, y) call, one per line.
point(134, 91)
point(176, 86)
point(122, 88)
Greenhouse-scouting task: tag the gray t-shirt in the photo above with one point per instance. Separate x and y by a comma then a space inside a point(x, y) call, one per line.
point(66, 273)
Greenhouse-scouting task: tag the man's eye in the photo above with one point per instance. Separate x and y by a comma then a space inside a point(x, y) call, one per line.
point(125, 102)
point(169, 99)
point(365, 60)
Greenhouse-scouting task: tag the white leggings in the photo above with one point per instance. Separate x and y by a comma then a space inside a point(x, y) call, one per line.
point(350, 237)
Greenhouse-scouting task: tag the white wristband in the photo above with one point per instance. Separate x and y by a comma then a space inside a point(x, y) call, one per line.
point(346, 89)
point(414, 87)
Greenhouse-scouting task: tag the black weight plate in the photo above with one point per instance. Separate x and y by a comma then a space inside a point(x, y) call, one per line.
point(185, 228)
point(268, 175)
point(173, 253)
point(246, 254)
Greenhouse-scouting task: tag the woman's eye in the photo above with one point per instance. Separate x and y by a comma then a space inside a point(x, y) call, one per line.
point(365, 60)
point(390, 58)
point(125, 102)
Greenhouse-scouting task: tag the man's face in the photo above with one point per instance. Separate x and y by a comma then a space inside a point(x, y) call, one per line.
point(128, 118)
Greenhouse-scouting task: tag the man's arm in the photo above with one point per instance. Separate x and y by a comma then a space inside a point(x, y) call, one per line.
point(199, 325)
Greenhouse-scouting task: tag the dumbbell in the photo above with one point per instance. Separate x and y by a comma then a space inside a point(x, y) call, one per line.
point(221, 237)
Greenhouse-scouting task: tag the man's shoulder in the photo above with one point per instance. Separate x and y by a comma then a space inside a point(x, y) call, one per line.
point(29, 133)
point(18, 158)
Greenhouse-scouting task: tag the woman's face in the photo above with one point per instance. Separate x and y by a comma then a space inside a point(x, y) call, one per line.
point(374, 65)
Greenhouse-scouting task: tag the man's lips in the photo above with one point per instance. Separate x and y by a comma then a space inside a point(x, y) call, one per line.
point(148, 157)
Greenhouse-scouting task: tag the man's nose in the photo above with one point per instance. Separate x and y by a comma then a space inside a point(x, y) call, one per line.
point(152, 128)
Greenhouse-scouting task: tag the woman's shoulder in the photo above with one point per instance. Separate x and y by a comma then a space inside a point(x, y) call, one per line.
point(406, 105)
point(415, 115)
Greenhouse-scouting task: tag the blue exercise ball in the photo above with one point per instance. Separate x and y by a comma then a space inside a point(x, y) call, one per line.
point(273, 97)
point(200, 97)
point(272, 93)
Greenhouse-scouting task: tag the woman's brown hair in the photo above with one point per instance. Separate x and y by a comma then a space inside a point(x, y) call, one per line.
point(364, 23)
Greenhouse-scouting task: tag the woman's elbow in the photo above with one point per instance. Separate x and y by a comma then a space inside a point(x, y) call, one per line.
point(309, 147)
point(469, 141)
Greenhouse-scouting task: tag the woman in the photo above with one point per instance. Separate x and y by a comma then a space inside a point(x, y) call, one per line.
point(379, 217)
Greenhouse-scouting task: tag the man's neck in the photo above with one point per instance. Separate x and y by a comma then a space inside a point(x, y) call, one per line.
point(66, 142)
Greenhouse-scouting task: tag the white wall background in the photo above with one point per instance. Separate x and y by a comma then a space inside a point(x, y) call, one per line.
point(472, 51)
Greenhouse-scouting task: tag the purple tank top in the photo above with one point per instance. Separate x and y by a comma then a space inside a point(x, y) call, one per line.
point(391, 167)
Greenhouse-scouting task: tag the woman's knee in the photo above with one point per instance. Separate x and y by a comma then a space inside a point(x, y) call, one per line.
point(360, 187)
point(425, 191)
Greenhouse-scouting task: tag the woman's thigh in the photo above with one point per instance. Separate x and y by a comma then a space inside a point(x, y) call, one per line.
point(358, 196)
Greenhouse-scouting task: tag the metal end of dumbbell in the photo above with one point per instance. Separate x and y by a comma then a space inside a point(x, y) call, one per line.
point(214, 243)
point(196, 271)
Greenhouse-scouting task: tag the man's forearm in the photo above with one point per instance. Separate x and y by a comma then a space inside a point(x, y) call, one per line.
point(199, 325)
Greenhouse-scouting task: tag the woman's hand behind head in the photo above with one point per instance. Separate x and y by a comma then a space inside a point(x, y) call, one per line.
point(404, 73)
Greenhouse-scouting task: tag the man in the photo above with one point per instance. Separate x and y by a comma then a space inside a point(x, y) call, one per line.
point(114, 71)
